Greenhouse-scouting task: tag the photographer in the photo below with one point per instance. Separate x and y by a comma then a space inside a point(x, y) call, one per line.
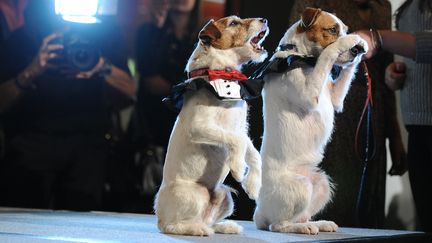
point(58, 119)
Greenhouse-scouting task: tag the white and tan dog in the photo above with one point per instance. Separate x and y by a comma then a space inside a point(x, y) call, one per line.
point(299, 107)
point(210, 137)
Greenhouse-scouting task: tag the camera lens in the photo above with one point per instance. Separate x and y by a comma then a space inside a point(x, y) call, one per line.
point(80, 52)
point(81, 56)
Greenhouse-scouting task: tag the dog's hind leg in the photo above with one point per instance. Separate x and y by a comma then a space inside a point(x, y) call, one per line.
point(260, 221)
point(223, 207)
point(325, 226)
point(222, 203)
point(227, 227)
point(320, 197)
point(182, 208)
point(252, 182)
point(308, 228)
point(292, 215)
point(187, 228)
point(322, 192)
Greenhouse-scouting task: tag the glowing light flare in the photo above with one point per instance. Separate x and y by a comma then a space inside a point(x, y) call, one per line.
point(80, 19)
point(76, 7)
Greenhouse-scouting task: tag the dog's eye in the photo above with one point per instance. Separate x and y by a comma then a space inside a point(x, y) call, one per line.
point(333, 31)
point(234, 23)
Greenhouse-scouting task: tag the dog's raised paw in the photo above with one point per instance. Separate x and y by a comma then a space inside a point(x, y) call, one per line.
point(228, 227)
point(238, 175)
point(252, 185)
point(345, 43)
point(237, 159)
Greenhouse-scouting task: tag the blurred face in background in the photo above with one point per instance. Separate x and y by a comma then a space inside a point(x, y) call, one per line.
point(182, 5)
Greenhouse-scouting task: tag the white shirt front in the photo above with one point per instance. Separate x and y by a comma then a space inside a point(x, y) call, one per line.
point(227, 90)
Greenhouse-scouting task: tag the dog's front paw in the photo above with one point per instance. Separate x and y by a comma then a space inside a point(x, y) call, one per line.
point(363, 44)
point(252, 185)
point(237, 159)
point(238, 169)
point(349, 49)
point(346, 43)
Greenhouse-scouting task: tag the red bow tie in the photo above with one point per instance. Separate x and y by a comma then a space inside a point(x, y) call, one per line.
point(218, 74)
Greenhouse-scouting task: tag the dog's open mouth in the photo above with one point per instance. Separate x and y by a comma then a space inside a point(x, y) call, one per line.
point(258, 39)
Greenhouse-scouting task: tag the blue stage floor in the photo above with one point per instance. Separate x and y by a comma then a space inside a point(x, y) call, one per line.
point(24, 225)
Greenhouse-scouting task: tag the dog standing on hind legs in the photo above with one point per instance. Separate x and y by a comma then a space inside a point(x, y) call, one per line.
point(209, 138)
point(300, 97)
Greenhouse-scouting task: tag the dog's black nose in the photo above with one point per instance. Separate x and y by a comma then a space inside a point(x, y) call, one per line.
point(356, 50)
point(264, 20)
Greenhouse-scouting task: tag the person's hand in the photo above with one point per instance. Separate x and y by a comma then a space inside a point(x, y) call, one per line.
point(93, 71)
point(47, 52)
point(398, 156)
point(395, 75)
point(159, 11)
point(372, 47)
point(69, 72)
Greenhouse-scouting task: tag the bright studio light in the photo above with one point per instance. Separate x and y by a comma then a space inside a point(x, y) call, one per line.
point(82, 11)
point(80, 19)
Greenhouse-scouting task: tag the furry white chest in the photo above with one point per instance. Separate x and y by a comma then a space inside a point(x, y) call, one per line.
point(203, 110)
point(295, 134)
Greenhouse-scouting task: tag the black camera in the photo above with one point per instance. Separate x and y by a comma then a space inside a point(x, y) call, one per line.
point(79, 51)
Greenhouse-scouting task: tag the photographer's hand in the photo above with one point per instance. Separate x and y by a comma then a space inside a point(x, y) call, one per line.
point(41, 63)
point(114, 76)
point(97, 69)
point(12, 89)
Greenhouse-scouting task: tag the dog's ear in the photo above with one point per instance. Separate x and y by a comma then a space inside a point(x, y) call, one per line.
point(209, 33)
point(308, 18)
